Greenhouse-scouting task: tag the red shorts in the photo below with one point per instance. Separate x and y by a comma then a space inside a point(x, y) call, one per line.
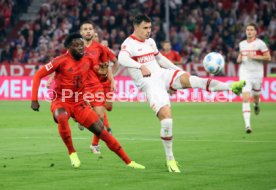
point(108, 92)
point(95, 95)
point(80, 111)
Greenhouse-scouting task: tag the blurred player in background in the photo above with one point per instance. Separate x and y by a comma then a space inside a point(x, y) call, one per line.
point(107, 82)
point(170, 54)
point(253, 52)
point(102, 56)
point(72, 70)
point(143, 60)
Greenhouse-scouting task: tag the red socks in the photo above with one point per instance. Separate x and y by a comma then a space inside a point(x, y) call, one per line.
point(114, 145)
point(95, 140)
point(65, 132)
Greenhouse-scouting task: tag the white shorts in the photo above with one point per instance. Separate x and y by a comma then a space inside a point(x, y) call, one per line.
point(253, 82)
point(157, 86)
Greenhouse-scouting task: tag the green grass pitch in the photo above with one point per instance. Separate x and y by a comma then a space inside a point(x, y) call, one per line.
point(210, 145)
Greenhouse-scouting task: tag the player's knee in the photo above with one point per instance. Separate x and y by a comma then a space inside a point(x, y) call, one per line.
point(256, 93)
point(62, 118)
point(164, 113)
point(185, 80)
point(246, 97)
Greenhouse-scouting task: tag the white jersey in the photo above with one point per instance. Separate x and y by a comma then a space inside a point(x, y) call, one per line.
point(135, 53)
point(143, 52)
point(256, 47)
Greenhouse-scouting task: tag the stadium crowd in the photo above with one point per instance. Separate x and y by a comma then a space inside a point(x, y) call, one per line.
point(196, 26)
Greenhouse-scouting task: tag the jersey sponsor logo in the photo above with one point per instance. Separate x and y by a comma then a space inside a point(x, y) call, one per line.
point(49, 66)
point(144, 58)
point(252, 52)
point(140, 49)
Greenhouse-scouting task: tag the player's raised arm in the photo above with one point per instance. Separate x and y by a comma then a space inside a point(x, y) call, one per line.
point(42, 72)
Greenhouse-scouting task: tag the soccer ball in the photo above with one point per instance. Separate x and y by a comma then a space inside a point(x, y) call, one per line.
point(213, 62)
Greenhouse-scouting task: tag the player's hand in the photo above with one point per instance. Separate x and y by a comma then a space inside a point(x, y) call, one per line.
point(103, 69)
point(35, 105)
point(103, 65)
point(113, 86)
point(145, 71)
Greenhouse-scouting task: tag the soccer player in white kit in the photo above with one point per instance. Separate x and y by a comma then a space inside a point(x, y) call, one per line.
point(253, 52)
point(155, 75)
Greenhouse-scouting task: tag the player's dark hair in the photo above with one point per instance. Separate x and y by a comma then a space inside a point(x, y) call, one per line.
point(253, 25)
point(70, 38)
point(138, 19)
point(166, 41)
point(86, 22)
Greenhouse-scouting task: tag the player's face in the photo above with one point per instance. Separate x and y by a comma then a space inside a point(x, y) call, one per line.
point(167, 46)
point(77, 48)
point(87, 31)
point(250, 32)
point(143, 30)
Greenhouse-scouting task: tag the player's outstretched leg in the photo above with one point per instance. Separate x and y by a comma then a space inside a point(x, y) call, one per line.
point(98, 129)
point(187, 81)
point(237, 86)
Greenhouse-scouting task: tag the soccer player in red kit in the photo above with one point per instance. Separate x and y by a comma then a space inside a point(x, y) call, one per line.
point(170, 54)
point(72, 69)
point(101, 57)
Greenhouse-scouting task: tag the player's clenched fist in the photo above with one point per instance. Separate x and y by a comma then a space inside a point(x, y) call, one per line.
point(35, 105)
point(145, 71)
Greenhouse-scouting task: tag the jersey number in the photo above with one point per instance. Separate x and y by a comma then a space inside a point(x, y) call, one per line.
point(77, 81)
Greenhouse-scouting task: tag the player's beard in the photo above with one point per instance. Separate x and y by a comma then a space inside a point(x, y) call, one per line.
point(76, 55)
point(88, 39)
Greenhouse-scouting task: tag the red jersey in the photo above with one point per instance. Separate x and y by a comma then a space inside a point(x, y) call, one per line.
point(110, 55)
point(71, 76)
point(172, 55)
point(98, 52)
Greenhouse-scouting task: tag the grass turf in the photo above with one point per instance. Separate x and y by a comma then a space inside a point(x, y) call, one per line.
point(209, 143)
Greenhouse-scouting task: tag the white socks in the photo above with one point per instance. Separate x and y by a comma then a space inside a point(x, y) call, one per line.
point(166, 136)
point(246, 113)
point(208, 84)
